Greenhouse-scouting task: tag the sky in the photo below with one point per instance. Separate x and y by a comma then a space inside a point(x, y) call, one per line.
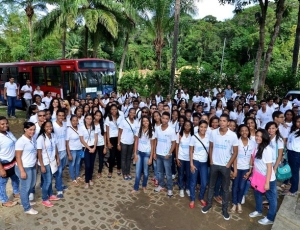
point(213, 7)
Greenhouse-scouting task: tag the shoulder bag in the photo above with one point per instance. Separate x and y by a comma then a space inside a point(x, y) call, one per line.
point(257, 179)
point(81, 151)
point(53, 164)
point(283, 171)
point(208, 159)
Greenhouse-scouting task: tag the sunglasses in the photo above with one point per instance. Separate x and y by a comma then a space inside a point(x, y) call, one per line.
point(144, 112)
point(42, 115)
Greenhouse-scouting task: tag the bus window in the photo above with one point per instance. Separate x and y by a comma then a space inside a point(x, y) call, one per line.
point(38, 75)
point(69, 84)
point(22, 78)
point(13, 72)
point(53, 76)
point(108, 80)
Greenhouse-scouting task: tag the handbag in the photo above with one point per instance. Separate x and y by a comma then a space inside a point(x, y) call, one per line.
point(257, 179)
point(53, 164)
point(9, 168)
point(284, 171)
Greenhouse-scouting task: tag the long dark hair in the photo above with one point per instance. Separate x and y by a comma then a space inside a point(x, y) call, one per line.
point(277, 134)
point(43, 131)
point(238, 132)
point(153, 123)
point(264, 143)
point(31, 108)
point(92, 124)
point(191, 131)
point(100, 121)
point(294, 126)
point(27, 125)
point(250, 118)
point(213, 118)
point(150, 128)
point(109, 114)
point(51, 108)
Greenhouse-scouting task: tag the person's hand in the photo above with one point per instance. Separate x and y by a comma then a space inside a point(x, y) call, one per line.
point(119, 147)
point(109, 145)
point(5, 98)
point(150, 161)
point(58, 162)
point(167, 156)
point(178, 162)
point(70, 157)
point(246, 176)
point(23, 175)
point(275, 168)
point(267, 186)
point(154, 156)
point(104, 150)
point(2, 173)
point(43, 169)
point(92, 150)
point(193, 169)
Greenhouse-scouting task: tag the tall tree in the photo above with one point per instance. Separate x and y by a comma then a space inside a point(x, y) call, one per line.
point(295, 63)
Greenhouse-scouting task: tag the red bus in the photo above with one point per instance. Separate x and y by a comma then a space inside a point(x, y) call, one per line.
point(69, 78)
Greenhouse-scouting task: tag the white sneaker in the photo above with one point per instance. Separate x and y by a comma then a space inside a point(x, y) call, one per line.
point(188, 192)
point(265, 221)
point(181, 193)
point(173, 176)
point(32, 212)
point(31, 196)
point(170, 193)
point(158, 189)
point(243, 200)
point(255, 214)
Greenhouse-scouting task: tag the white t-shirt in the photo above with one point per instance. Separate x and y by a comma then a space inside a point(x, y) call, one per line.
point(158, 99)
point(11, 89)
point(186, 96)
point(264, 117)
point(26, 88)
point(244, 154)
point(73, 138)
point(284, 109)
point(144, 143)
point(164, 140)
point(47, 101)
point(60, 134)
point(44, 143)
point(33, 118)
point(196, 99)
point(113, 126)
point(174, 125)
point(100, 137)
point(293, 142)
point(273, 144)
point(284, 131)
point(260, 164)
point(200, 153)
point(206, 101)
point(184, 147)
point(127, 136)
point(29, 153)
point(41, 93)
point(233, 115)
point(125, 109)
point(41, 106)
point(7, 146)
point(222, 146)
point(88, 135)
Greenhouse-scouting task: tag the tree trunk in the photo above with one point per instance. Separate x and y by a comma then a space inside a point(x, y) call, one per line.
point(64, 39)
point(86, 42)
point(159, 45)
point(296, 45)
point(280, 8)
point(261, 46)
point(175, 44)
point(124, 55)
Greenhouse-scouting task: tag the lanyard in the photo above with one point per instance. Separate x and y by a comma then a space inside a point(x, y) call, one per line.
point(246, 149)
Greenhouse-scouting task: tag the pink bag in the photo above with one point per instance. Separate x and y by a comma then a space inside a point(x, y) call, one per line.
point(257, 179)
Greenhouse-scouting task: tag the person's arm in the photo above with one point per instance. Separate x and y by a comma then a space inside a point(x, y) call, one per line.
point(105, 144)
point(246, 176)
point(5, 92)
point(135, 148)
point(176, 152)
point(20, 164)
point(40, 158)
point(154, 147)
point(171, 149)
point(268, 176)
point(2, 171)
point(210, 151)
point(193, 168)
point(95, 143)
point(57, 156)
point(233, 157)
point(68, 150)
point(109, 145)
point(119, 138)
point(278, 160)
point(84, 143)
point(152, 142)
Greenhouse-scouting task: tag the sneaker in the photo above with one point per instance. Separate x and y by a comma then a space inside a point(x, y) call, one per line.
point(188, 192)
point(226, 215)
point(86, 186)
point(159, 189)
point(239, 208)
point(233, 209)
point(32, 212)
point(60, 195)
point(265, 221)
point(32, 203)
point(31, 196)
point(65, 187)
point(54, 198)
point(181, 193)
point(173, 176)
point(47, 203)
point(255, 214)
point(91, 183)
point(13, 117)
point(243, 200)
point(170, 193)
point(205, 209)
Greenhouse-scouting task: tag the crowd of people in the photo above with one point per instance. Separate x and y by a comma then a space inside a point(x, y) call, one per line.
point(223, 136)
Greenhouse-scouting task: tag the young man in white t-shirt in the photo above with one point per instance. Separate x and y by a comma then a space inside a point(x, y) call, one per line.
point(165, 138)
point(221, 145)
point(10, 95)
point(264, 114)
point(27, 90)
point(60, 130)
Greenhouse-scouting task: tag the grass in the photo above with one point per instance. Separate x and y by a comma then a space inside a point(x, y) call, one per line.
point(19, 113)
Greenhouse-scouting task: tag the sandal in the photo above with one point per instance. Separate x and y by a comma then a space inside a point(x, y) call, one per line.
point(109, 175)
point(75, 183)
point(17, 195)
point(9, 204)
point(119, 173)
point(98, 175)
point(79, 179)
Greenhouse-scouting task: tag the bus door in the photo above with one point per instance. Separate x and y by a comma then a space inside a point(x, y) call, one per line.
point(24, 75)
point(70, 85)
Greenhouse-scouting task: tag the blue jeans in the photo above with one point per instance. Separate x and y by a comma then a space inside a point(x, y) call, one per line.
point(142, 163)
point(101, 157)
point(247, 186)
point(47, 183)
point(164, 165)
point(89, 162)
point(74, 164)
point(155, 169)
point(14, 183)
point(184, 169)
point(238, 186)
point(173, 164)
point(58, 175)
point(202, 171)
point(218, 187)
point(11, 108)
point(271, 196)
point(26, 185)
point(294, 162)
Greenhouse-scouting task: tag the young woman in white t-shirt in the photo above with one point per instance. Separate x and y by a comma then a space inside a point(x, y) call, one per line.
point(7, 160)
point(101, 145)
point(143, 153)
point(199, 147)
point(74, 148)
point(26, 157)
point(156, 122)
point(263, 165)
point(37, 100)
point(47, 152)
point(182, 156)
point(38, 91)
point(125, 107)
point(89, 138)
point(112, 123)
point(244, 160)
point(53, 107)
